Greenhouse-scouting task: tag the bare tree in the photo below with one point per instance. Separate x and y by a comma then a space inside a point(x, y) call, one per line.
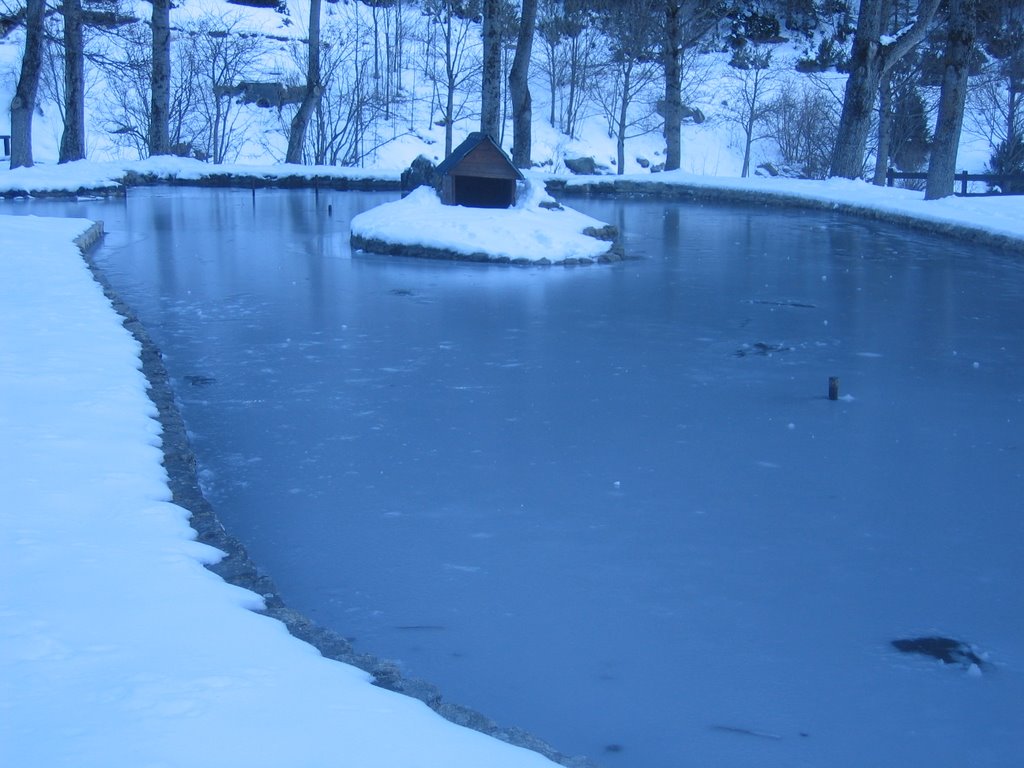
point(314, 89)
point(631, 27)
point(686, 21)
point(218, 58)
point(490, 102)
point(750, 101)
point(870, 59)
point(569, 44)
point(72, 142)
point(341, 126)
point(160, 82)
point(23, 105)
point(127, 72)
point(802, 121)
point(452, 60)
point(960, 36)
point(519, 87)
point(125, 112)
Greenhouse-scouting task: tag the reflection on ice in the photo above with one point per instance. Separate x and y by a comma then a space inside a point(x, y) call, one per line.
point(641, 544)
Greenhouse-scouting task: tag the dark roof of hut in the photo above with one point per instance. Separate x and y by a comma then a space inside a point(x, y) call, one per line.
point(477, 141)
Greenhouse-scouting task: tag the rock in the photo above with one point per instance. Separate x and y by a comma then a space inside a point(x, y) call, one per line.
point(607, 232)
point(692, 113)
point(643, 162)
point(582, 166)
point(421, 172)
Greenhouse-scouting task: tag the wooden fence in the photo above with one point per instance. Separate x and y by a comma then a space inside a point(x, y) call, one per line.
point(1007, 184)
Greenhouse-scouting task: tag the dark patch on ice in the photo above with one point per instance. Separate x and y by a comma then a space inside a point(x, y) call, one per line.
point(198, 380)
point(761, 349)
point(945, 649)
point(420, 627)
point(746, 732)
point(401, 292)
point(796, 304)
point(613, 748)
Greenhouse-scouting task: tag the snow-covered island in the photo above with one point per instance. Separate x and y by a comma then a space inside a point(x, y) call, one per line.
point(537, 231)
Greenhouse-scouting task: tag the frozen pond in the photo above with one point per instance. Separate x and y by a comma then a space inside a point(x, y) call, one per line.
point(613, 505)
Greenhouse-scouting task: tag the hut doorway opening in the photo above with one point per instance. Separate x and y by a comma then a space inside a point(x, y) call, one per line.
point(479, 192)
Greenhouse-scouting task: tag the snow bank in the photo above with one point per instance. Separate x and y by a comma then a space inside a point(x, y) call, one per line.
point(117, 647)
point(994, 218)
point(86, 177)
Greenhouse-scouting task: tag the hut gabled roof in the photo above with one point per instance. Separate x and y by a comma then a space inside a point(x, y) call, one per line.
point(479, 155)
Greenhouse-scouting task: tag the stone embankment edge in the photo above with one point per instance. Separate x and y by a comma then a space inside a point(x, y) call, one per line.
point(374, 245)
point(216, 180)
point(237, 568)
point(603, 187)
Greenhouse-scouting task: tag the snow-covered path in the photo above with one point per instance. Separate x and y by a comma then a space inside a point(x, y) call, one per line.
point(117, 648)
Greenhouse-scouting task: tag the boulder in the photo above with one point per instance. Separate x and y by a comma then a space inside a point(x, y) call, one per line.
point(420, 173)
point(692, 113)
point(582, 166)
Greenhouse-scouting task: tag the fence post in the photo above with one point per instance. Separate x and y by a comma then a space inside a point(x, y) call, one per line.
point(963, 183)
point(890, 179)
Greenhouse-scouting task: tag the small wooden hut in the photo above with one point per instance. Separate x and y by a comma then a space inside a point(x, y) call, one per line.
point(478, 174)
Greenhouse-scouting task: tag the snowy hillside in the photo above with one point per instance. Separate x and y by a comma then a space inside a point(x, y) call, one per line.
point(383, 104)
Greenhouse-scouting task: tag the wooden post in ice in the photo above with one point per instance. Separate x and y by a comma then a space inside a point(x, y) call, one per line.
point(833, 387)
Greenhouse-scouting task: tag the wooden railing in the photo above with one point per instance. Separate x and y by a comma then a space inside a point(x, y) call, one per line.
point(1008, 184)
point(7, 146)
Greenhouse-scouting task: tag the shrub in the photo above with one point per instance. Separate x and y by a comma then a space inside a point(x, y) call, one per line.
point(1008, 159)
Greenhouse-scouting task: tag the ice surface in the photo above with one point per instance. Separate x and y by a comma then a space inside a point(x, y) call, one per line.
point(564, 498)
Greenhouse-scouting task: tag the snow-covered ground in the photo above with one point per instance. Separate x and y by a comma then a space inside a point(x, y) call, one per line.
point(117, 647)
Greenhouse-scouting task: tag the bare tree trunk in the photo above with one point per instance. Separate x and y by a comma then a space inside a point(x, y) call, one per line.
point(449, 110)
point(672, 112)
point(23, 105)
point(885, 118)
point(72, 141)
point(955, 70)
point(450, 80)
point(859, 98)
point(870, 60)
point(160, 82)
point(519, 87)
point(620, 132)
point(490, 106)
point(314, 89)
